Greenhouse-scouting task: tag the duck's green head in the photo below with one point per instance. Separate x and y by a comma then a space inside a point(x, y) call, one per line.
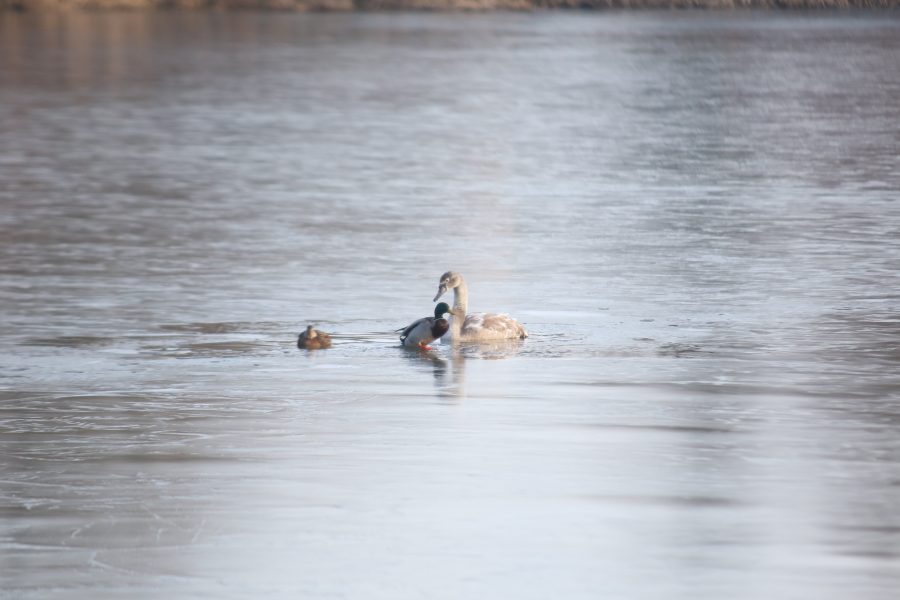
point(441, 309)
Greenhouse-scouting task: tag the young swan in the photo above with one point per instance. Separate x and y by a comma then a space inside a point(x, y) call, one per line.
point(427, 329)
point(312, 339)
point(476, 326)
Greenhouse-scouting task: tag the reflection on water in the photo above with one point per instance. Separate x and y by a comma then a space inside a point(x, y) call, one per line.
point(694, 215)
point(449, 364)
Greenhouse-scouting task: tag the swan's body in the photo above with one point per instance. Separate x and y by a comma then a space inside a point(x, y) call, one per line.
point(427, 329)
point(476, 326)
point(312, 339)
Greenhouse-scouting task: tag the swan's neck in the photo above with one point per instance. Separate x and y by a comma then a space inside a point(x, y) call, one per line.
point(460, 306)
point(461, 298)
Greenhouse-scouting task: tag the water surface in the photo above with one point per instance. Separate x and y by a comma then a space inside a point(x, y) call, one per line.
point(695, 215)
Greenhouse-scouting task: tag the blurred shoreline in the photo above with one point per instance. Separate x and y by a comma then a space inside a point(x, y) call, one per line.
point(433, 5)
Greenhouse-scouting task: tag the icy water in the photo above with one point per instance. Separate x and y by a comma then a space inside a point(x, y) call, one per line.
point(697, 216)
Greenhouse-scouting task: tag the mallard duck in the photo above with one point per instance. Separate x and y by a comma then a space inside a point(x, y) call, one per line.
point(476, 326)
point(312, 339)
point(427, 329)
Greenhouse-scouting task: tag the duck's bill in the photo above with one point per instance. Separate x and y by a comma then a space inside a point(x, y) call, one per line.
point(442, 289)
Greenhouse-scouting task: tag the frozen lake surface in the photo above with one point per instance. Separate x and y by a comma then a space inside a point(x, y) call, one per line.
point(697, 216)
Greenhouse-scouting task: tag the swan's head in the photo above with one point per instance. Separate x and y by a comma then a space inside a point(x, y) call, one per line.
point(441, 309)
point(449, 280)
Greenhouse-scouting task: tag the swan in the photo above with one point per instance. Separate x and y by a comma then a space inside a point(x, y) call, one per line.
point(312, 339)
point(476, 326)
point(427, 329)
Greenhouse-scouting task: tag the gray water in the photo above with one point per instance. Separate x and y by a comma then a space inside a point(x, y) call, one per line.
point(697, 216)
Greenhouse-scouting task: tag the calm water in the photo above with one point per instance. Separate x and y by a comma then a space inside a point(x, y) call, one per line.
point(696, 215)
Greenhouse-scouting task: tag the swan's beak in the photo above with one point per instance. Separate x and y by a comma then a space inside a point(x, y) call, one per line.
point(442, 289)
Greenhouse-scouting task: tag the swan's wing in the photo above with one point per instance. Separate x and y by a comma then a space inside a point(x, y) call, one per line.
point(503, 324)
point(414, 325)
point(494, 325)
point(474, 322)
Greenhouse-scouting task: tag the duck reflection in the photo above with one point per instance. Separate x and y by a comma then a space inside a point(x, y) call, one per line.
point(449, 366)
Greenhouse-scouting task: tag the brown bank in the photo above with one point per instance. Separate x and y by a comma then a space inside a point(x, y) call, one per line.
point(450, 5)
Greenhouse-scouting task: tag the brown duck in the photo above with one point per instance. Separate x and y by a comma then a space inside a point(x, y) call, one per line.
point(312, 339)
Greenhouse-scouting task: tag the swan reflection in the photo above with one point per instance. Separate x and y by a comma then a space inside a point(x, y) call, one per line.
point(449, 367)
point(495, 350)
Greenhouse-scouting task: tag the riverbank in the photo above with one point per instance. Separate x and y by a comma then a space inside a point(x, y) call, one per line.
point(435, 5)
